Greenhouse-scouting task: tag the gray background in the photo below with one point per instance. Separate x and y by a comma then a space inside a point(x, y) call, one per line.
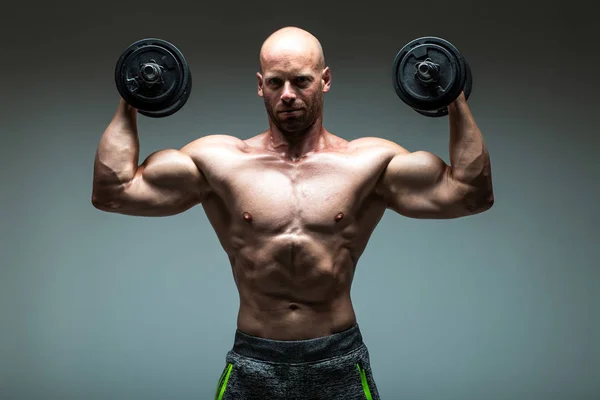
point(502, 305)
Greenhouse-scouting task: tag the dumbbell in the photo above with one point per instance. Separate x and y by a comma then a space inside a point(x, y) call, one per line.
point(153, 76)
point(429, 73)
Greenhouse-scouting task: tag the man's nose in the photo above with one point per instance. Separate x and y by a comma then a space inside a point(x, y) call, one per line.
point(288, 94)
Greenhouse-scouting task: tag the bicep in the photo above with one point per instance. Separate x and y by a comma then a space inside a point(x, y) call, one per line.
point(420, 185)
point(168, 182)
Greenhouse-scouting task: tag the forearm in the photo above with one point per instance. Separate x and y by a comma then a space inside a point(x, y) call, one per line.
point(469, 158)
point(117, 155)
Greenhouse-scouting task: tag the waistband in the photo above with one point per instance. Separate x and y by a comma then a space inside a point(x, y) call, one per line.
point(298, 351)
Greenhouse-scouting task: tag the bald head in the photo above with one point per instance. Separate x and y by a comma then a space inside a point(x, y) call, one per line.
point(292, 80)
point(292, 43)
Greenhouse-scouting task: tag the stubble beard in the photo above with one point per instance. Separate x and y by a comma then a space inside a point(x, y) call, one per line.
point(297, 127)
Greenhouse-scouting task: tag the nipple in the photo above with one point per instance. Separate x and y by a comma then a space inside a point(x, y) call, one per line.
point(339, 217)
point(247, 217)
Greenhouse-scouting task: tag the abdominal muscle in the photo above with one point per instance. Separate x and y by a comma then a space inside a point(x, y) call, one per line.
point(294, 287)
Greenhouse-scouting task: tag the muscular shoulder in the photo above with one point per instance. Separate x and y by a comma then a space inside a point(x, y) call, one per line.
point(398, 159)
point(211, 152)
point(221, 141)
point(376, 144)
point(213, 147)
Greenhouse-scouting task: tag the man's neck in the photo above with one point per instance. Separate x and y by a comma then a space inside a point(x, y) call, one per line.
point(296, 146)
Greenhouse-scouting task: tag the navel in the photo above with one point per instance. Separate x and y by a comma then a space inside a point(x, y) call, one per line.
point(339, 217)
point(247, 217)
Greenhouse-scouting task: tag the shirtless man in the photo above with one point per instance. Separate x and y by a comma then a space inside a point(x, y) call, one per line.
point(294, 207)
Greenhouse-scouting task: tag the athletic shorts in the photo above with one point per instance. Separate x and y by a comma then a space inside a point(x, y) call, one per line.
point(334, 367)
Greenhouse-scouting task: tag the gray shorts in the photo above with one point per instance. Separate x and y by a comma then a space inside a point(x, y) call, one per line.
point(326, 368)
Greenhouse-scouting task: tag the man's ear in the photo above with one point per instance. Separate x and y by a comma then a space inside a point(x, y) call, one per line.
point(326, 78)
point(260, 84)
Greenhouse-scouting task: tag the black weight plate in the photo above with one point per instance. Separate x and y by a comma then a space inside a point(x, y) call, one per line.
point(451, 73)
point(155, 92)
point(433, 113)
point(444, 110)
point(130, 83)
point(468, 81)
point(157, 95)
point(176, 106)
point(419, 95)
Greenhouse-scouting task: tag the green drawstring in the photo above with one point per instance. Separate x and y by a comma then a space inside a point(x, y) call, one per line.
point(365, 385)
point(223, 382)
point(225, 378)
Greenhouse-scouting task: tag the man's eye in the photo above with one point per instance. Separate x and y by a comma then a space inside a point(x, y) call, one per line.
point(274, 81)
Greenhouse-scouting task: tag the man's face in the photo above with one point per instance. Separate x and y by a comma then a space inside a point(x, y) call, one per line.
point(292, 88)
